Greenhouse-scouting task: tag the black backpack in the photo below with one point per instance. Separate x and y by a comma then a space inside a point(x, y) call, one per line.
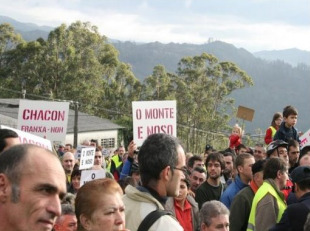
point(149, 220)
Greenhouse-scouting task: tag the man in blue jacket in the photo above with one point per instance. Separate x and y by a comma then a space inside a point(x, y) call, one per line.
point(243, 164)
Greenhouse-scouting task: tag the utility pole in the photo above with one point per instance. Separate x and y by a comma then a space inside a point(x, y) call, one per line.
point(75, 128)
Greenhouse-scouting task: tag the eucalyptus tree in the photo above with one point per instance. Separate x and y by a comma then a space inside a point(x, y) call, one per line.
point(203, 86)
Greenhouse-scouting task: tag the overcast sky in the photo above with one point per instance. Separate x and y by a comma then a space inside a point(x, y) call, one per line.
point(252, 24)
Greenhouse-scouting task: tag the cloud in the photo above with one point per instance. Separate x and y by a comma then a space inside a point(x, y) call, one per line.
point(238, 22)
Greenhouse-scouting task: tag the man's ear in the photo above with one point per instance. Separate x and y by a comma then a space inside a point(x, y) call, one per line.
point(279, 173)
point(4, 188)
point(203, 226)
point(239, 169)
point(296, 188)
point(165, 173)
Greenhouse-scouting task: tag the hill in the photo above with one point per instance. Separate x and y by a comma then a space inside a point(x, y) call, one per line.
point(29, 31)
point(292, 56)
point(276, 83)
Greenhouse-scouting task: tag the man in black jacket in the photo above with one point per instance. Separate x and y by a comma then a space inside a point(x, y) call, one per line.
point(295, 215)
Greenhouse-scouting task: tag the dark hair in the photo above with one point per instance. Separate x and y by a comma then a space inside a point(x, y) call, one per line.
point(12, 161)
point(4, 134)
point(241, 146)
point(216, 156)
point(233, 156)
point(272, 166)
point(304, 184)
point(186, 180)
point(292, 143)
point(240, 159)
point(157, 152)
point(289, 110)
point(276, 116)
point(199, 169)
point(11, 165)
point(191, 161)
point(70, 145)
point(76, 172)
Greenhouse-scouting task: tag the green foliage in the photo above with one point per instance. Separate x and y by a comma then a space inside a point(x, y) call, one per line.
point(76, 63)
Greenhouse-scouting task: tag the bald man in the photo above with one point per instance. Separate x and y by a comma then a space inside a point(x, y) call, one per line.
point(32, 184)
point(68, 162)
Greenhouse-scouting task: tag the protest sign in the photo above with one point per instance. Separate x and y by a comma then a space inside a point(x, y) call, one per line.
point(87, 158)
point(305, 139)
point(77, 154)
point(151, 117)
point(46, 119)
point(89, 175)
point(27, 138)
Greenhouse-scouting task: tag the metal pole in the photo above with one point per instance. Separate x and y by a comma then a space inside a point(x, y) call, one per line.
point(76, 115)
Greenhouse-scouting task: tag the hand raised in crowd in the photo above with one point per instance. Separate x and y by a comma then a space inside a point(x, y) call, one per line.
point(132, 147)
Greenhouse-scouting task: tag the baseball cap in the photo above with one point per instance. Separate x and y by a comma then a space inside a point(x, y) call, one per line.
point(208, 147)
point(258, 166)
point(300, 173)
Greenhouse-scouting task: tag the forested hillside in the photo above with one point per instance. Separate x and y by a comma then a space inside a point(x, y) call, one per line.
point(276, 83)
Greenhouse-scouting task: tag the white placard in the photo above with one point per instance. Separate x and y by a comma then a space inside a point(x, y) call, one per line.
point(77, 154)
point(151, 117)
point(89, 175)
point(27, 138)
point(305, 139)
point(46, 119)
point(87, 158)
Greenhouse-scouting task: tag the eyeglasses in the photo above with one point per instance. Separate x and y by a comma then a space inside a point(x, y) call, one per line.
point(183, 169)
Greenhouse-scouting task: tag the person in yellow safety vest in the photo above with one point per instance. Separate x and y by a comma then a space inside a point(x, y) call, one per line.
point(275, 124)
point(268, 203)
point(116, 162)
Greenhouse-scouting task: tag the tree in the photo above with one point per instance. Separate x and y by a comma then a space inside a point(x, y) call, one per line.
point(158, 85)
point(202, 87)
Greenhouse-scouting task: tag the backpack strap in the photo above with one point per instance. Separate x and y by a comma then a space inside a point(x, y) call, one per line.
point(150, 219)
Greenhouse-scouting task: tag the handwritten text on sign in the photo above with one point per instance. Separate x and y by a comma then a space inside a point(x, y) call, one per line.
point(151, 117)
point(87, 158)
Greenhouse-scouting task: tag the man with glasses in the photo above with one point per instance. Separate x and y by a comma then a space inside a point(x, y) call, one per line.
point(259, 152)
point(162, 167)
point(212, 188)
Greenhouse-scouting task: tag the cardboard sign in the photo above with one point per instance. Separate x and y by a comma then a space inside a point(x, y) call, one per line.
point(77, 154)
point(27, 138)
point(87, 158)
point(151, 117)
point(46, 119)
point(89, 175)
point(305, 139)
point(245, 113)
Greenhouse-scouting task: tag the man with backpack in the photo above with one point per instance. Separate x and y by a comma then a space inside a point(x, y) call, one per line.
point(162, 164)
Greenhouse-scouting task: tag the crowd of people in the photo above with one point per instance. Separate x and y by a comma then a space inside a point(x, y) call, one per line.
point(159, 186)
